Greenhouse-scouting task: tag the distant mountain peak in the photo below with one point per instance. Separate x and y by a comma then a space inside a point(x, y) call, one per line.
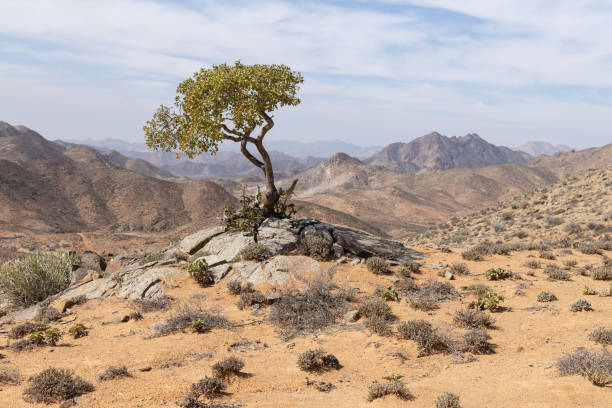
point(343, 158)
point(537, 148)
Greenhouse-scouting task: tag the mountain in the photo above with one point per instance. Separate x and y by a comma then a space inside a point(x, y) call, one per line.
point(435, 152)
point(564, 164)
point(536, 149)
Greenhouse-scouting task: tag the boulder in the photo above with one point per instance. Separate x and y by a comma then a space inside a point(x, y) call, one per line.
point(277, 235)
point(247, 272)
point(147, 284)
point(278, 269)
point(92, 261)
point(227, 246)
point(194, 242)
point(77, 275)
point(218, 272)
point(365, 245)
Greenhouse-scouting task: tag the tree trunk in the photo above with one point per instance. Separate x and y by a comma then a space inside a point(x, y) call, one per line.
point(271, 197)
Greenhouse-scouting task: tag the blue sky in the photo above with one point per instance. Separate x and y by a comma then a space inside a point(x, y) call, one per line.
point(376, 72)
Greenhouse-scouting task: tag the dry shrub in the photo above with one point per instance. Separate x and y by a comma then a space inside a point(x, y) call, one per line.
point(46, 314)
point(472, 319)
point(389, 387)
point(477, 289)
point(555, 273)
point(533, 264)
point(408, 268)
point(438, 291)
point(424, 303)
point(601, 335)
point(406, 285)
point(299, 312)
point(160, 304)
point(377, 265)
point(378, 316)
point(187, 313)
point(209, 387)
point(9, 376)
point(448, 400)
point(113, 372)
point(580, 305)
point(255, 252)
point(317, 360)
point(603, 273)
point(55, 385)
point(26, 328)
point(248, 299)
point(546, 297)
point(236, 287)
point(476, 342)
point(459, 268)
point(428, 339)
point(227, 367)
point(315, 246)
point(596, 367)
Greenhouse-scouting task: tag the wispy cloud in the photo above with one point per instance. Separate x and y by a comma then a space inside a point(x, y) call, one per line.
point(376, 72)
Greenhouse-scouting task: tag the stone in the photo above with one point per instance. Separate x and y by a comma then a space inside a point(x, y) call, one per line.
point(341, 260)
point(277, 235)
point(148, 284)
point(351, 316)
point(278, 269)
point(227, 246)
point(436, 265)
point(364, 245)
point(448, 275)
point(194, 242)
point(322, 230)
point(356, 261)
point(337, 250)
point(77, 275)
point(218, 272)
point(212, 260)
point(89, 276)
point(92, 261)
point(247, 272)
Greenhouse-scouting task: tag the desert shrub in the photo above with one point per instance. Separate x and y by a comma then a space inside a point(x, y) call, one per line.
point(255, 252)
point(522, 234)
point(424, 303)
point(438, 291)
point(78, 330)
point(580, 305)
point(588, 291)
point(227, 367)
point(209, 387)
point(459, 268)
point(570, 263)
point(378, 316)
point(389, 295)
point(472, 319)
point(601, 335)
point(26, 328)
point(474, 254)
point(151, 257)
point(113, 372)
point(377, 265)
point(315, 246)
point(477, 289)
point(52, 336)
point(198, 270)
point(236, 287)
point(408, 268)
point(37, 338)
point(389, 387)
point(476, 342)
point(428, 339)
point(299, 312)
point(590, 248)
point(572, 228)
point(21, 345)
point(448, 400)
point(596, 367)
point(547, 255)
point(545, 296)
point(406, 285)
point(379, 325)
point(248, 299)
point(555, 273)
point(159, 304)
point(46, 314)
point(186, 313)
point(553, 221)
point(533, 264)
point(29, 280)
point(317, 360)
point(55, 385)
point(9, 376)
point(603, 273)
point(489, 300)
point(497, 274)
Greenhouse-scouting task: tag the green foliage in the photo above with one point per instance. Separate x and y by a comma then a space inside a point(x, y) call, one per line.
point(389, 294)
point(29, 280)
point(37, 338)
point(78, 330)
point(588, 291)
point(496, 274)
point(315, 246)
point(490, 301)
point(250, 215)
point(240, 94)
point(199, 271)
point(52, 336)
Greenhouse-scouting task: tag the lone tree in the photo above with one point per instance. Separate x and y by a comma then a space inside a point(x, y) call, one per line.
point(227, 103)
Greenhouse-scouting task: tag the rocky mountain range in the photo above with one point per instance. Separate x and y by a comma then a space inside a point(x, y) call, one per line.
point(536, 149)
point(435, 152)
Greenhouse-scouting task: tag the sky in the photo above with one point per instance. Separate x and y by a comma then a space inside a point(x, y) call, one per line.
point(376, 72)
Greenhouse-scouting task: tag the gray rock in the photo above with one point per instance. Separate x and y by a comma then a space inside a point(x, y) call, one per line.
point(192, 243)
point(227, 246)
point(212, 260)
point(436, 265)
point(148, 284)
point(277, 235)
point(337, 250)
point(92, 261)
point(322, 230)
point(365, 245)
point(247, 272)
point(341, 260)
point(448, 275)
point(351, 316)
point(77, 275)
point(278, 269)
point(218, 272)
point(356, 261)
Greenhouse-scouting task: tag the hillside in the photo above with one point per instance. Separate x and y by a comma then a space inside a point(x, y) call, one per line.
point(435, 152)
point(535, 149)
point(577, 209)
point(572, 163)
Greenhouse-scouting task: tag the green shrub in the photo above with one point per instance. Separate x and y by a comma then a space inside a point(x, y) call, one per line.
point(315, 246)
point(490, 301)
point(255, 252)
point(588, 291)
point(377, 265)
point(78, 330)
point(546, 297)
point(317, 360)
point(37, 338)
point(448, 400)
point(472, 319)
point(29, 280)
point(52, 336)
point(496, 274)
point(199, 271)
point(389, 295)
point(26, 328)
point(55, 385)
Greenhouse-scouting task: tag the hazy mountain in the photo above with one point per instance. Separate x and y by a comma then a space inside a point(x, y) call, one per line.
point(435, 152)
point(564, 164)
point(535, 148)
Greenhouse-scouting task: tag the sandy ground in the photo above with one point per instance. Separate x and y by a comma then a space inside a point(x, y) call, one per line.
point(520, 373)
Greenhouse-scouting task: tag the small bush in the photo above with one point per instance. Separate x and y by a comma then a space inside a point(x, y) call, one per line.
point(474, 254)
point(601, 335)
point(317, 360)
point(438, 291)
point(424, 303)
point(378, 316)
point(236, 287)
point(546, 297)
point(588, 291)
point(379, 325)
point(459, 268)
point(37, 338)
point(78, 330)
point(160, 304)
point(29, 280)
point(187, 313)
point(9, 376)
point(227, 367)
point(547, 255)
point(255, 252)
point(476, 342)
point(408, 268)
point(113, 372)
point(377, 265)
point(46, 314)
point(26, 328)
point(198, 270)
point(533, 264)
point(448, 400)
point(572, 228)
point(248, 299)
point(472, 319)
point(496, 274)
point(152, 257)
point(590, 248)
point(406, 285)
point(580, 305)
point(389, 387)
point(428, 339)
point(315, 246)
point(490, 301)
point(596, 367)
point(570, 263)
point(389, 295)
point(52, 336)
point(603, 273)
point(556, 273)
point(209, 387)
point(478, 289)
point(55, 385)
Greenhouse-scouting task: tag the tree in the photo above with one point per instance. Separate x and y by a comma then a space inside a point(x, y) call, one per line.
point(227, 103)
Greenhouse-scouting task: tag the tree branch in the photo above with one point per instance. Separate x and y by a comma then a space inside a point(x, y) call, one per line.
point(232, 138)
point(248, 155)
point(269, 124)
point(232, 131)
